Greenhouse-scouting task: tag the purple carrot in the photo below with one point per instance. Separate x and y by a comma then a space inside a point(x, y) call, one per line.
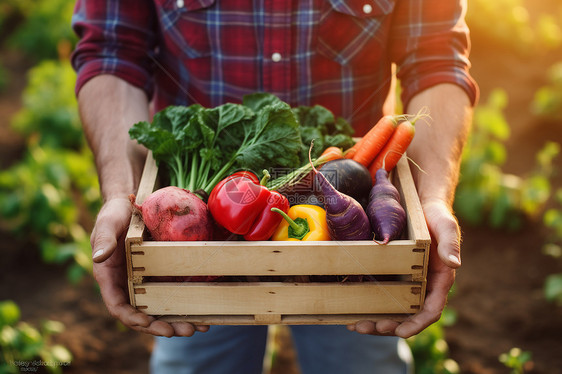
point(345, 217)
point(386, 214)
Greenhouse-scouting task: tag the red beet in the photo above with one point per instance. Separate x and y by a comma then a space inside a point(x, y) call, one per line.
point(174, 214)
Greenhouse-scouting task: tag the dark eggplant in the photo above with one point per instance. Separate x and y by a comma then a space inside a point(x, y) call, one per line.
point(348, 177)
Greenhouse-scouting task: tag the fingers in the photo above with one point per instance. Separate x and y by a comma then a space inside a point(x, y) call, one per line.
point(382, 327)
point(445, 232)
point(438, 289)
point(187, 329)
point(439, 282)
point(430, 314)
point(112, 221)
point(107, 242)
point(139, 321)
point(444, 257)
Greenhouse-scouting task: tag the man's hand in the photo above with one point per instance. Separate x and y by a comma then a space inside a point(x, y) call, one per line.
point(108, 107)
point(444, 258)
point(110, 272)
point(437, 149)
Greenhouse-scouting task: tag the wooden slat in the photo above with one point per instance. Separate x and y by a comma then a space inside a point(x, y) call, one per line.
point(278, 298)
point(417, 227)
point(276, 258)
point(297, 319)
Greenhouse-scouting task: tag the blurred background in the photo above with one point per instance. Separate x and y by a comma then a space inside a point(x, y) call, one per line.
point(504, 313)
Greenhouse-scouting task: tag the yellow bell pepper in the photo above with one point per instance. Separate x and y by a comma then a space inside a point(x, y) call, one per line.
point(302, 222)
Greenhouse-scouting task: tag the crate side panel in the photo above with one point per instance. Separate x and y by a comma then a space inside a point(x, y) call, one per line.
point(277, 298)
point(417, 227)
point(147, 184)
point(136, 228)
point(277, 258)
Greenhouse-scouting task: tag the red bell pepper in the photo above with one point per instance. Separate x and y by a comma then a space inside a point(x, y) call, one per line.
point(242, 204)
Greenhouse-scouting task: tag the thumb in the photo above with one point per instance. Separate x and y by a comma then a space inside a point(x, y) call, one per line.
point(445, 231)
point(111, 222)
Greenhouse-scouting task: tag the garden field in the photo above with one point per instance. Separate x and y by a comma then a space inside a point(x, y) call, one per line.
point(504, 313)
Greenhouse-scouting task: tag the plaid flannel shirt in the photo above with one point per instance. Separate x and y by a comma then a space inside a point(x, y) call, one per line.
point(336, 53)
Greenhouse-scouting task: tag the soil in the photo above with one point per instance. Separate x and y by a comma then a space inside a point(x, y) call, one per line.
point(498, 294)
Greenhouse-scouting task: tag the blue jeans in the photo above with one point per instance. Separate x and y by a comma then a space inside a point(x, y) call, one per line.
point(320, 350)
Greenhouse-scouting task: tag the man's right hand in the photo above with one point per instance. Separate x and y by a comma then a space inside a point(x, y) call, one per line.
point(108, 244)
point(108, 107)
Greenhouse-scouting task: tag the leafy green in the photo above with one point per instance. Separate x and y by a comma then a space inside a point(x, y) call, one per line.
point(319, 124)
point(200, 146)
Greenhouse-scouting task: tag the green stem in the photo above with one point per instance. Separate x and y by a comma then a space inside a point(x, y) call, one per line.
point(173, 180)
point(177, 179)
point(202, 173)
point(266, 177)
point(296, 175)
point(298, 230)
point(218, 176)
point(206, 174)
point(193, 171)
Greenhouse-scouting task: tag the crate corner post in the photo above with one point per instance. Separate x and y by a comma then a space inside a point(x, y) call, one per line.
point(136, 231)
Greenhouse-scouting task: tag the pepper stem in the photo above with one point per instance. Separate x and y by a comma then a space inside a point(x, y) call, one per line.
point(298, 228)
point(266, 177)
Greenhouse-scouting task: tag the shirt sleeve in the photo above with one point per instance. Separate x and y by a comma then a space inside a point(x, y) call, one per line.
point(430, 45)
point(115, 37)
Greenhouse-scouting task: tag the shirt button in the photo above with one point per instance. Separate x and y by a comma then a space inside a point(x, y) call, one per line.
point(179, 3)
point(367, 8)
point(276, 57)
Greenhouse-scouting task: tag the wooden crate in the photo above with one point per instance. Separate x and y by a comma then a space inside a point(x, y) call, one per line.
point(397, 273)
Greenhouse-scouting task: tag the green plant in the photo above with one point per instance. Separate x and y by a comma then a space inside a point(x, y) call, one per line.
point(430, 350)
point(509, 22)
point(23, 347)
point(49, 106)
point(43, 197)
point(553, 220)
point(45, 29)
point(504, 20)
point(516, 359)
point(486, 194)
point(547, 101)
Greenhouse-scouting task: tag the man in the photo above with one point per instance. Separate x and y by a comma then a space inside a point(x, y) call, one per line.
point(335, 53)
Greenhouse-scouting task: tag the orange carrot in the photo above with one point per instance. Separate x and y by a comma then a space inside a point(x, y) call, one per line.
point(394, 149)
point(331, 153)
point(350, 152)
point(375, 139)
